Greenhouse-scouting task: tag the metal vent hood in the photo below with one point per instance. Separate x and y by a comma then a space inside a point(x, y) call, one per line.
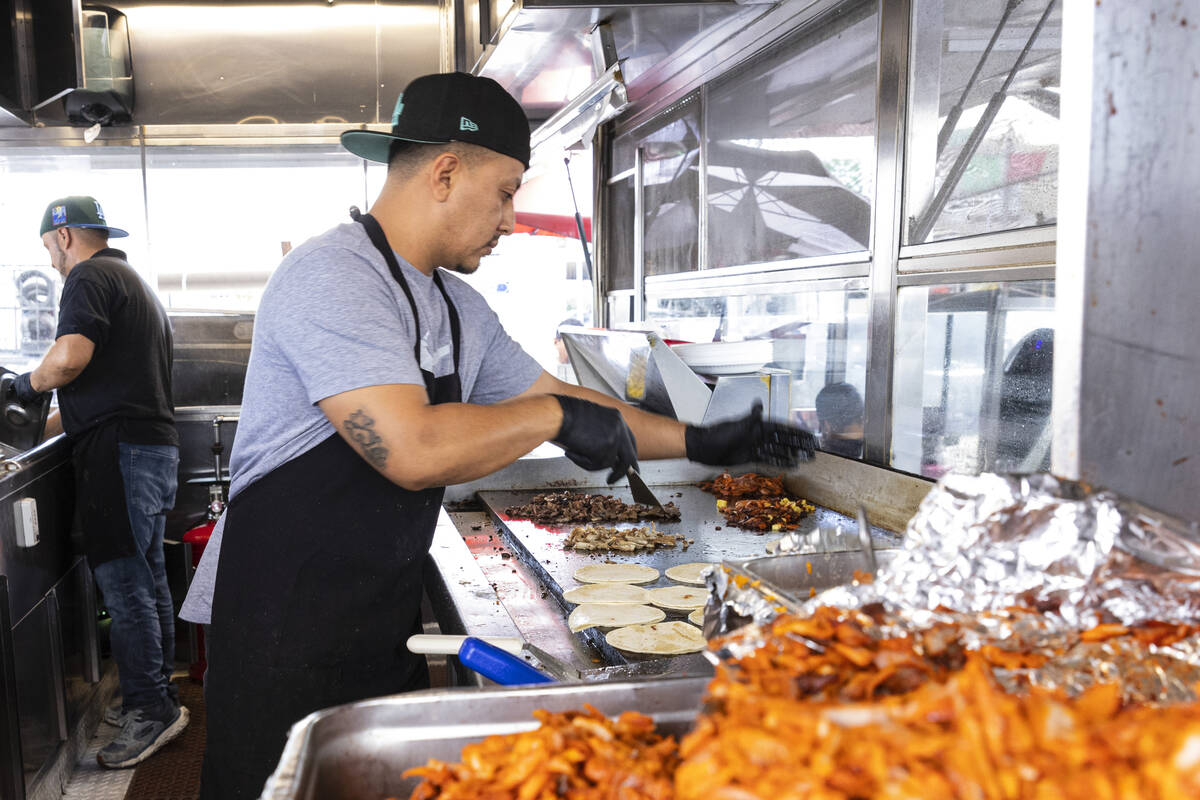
point(258, 61)
point(569, 63)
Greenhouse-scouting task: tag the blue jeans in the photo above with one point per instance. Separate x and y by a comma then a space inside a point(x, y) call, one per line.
point(135, 587)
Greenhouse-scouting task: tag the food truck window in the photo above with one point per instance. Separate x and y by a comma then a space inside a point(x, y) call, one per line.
point(30, 177)
point(817, 331)
point(973, 374)
point(255, 204)
point(984, 89)
point(791, 147)
point(671, 192)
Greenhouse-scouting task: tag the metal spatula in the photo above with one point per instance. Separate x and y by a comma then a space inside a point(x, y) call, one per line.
point(640, 491)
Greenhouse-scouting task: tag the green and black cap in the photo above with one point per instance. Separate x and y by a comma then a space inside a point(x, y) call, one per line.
point(79, 211)
point(450, 107)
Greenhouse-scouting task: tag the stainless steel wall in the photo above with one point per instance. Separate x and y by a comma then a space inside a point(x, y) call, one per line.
point(302, 62)
point(1127, 377)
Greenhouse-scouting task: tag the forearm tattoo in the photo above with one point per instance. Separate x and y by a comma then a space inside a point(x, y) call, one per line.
point(360, 429)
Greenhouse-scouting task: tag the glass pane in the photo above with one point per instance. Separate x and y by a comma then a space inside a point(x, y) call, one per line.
point(973, 374)
point(30, 178)
point(820, 334)
point(623, 154)
point(286, 194)
point(671, 192)
point(791, 148)
point(619, 238)
point(982, 153)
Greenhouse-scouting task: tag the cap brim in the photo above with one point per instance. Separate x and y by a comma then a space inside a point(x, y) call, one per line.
point(374, 145)
point(113, 233)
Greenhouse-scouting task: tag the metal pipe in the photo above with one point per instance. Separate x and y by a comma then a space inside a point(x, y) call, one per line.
point(587, 258)
point(957, 109)
point(894, 34)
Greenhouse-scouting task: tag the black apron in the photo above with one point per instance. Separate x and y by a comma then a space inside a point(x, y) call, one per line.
point(101, 513)
point(318, 588)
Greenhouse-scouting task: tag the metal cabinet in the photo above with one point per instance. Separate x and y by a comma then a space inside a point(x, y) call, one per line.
point(49, 653)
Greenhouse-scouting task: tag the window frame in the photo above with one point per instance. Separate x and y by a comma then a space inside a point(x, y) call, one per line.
point(888, 264)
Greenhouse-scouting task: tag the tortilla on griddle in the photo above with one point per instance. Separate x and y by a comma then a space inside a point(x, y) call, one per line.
point(679, 598)
point(689, 573)
point(608, 593)
point(658, 639)
point(697, 616)
point(612, 615)
point(616, 573)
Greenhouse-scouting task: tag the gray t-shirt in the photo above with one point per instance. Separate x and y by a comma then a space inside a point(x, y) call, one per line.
point(333, 319)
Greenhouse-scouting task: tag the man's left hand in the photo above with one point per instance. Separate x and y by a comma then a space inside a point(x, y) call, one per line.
point(749, 439)
point(23, 388)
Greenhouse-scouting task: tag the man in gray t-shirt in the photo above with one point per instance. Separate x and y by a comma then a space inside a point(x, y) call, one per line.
point(376, 377)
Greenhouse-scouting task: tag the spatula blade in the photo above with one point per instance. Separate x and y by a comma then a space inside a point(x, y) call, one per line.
point(640, 491)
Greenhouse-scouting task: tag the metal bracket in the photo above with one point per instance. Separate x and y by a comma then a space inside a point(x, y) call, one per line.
point(604, 48)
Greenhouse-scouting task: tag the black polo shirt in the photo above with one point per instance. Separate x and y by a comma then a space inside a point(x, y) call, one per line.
point(128, 379)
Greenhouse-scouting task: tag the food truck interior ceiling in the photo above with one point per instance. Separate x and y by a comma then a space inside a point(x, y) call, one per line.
point(885, 74)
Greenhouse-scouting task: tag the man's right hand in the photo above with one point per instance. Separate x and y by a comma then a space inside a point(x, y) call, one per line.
point(595, 437)
point(23, 388)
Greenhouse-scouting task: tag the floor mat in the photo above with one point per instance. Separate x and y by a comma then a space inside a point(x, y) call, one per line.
point(173, 773)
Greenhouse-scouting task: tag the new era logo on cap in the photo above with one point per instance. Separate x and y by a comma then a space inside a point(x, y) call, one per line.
point(465, 124)
point(58, 215)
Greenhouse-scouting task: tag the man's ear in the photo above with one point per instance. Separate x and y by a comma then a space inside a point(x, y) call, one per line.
point(444, 174)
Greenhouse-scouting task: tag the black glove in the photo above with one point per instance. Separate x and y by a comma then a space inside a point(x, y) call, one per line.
point(23, 389)
point(749, 439)
point(596, 437)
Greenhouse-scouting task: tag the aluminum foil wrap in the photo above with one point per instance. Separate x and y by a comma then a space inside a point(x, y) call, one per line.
point(982, 545)
point(987, 542)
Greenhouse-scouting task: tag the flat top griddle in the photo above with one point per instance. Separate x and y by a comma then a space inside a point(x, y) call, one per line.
point(541, 548)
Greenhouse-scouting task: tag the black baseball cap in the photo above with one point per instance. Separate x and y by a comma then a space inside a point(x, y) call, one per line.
point(78, 211)
point(450, 107)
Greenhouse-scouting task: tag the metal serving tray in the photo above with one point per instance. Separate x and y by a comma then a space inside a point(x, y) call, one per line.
point(360, 750)
point(788, 576)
